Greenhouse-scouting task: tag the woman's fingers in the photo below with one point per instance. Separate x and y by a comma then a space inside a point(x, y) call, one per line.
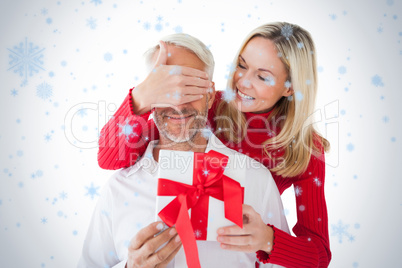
point(191, 90)
point(255, 234)
point(196, 82)
point(238, 240)
point(188, 71)
point(189, 98)
point(245, 248)
point(233, 230)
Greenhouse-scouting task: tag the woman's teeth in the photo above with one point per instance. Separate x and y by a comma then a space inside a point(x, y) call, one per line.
point(245, 96)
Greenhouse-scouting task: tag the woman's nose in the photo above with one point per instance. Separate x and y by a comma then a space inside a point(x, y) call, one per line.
point(245, 83)
point(244, 80)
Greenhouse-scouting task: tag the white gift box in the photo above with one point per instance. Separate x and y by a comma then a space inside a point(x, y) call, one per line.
point(178, 166)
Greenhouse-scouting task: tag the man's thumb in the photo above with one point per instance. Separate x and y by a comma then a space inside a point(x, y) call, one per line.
point(162, 56)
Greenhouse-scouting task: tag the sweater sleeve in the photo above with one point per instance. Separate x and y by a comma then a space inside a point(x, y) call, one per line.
point(125, 137)
point(310, 247)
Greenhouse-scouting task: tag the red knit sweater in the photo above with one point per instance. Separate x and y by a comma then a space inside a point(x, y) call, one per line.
point(125, 137)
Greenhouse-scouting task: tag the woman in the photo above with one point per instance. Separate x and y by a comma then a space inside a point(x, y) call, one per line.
point(263, 114)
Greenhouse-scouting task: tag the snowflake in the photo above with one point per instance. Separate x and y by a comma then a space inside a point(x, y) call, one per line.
point(26, 59)
point(63, 195)
point(14, 92)
point(350, 147)
point(341, 230)
point(91, 23)
point(205, 172)
point(104, 212)
point(206, 133)
point(317, 181)
point(377, 81)
point(44, 91)
point(159, 18)
point(342, 70)
point(197, 233)
point(287, 31)
point(96, 2)
point(300, 45)
point(43, 11)
point(380, 29)
point(92, 190)
point(43, 220)
point(178, 29)
point(231, 67)
point(288, 84)
point(298, 191)
point(229, 95)
point(158, 27)
point(108, 56)
point(176, 95)
point(269, 82)
point(128, 130)
point(333, 16)
point(298, 95)
point(146, 26)
point(48, 137)
point(82, 112)
point(176, 70)
point(385, 119)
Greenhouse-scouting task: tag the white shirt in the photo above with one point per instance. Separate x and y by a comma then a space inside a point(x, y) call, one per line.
point(127, 204)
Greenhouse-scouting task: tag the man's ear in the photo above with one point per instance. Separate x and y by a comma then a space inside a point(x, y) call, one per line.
point(211, 95)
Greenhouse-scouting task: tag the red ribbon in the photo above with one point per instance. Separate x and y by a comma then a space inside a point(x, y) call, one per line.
point(208, 180)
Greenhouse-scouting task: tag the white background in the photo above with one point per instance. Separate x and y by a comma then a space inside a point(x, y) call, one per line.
point(49, 177)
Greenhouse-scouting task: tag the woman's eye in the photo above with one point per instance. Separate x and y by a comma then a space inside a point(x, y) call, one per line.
point(241, 66)
point(267, 80)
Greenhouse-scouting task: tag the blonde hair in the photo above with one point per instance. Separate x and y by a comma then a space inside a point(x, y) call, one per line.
point(296, 50)
point(190, 43)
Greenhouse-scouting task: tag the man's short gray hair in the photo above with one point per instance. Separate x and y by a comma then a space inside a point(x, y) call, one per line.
point(190, 43)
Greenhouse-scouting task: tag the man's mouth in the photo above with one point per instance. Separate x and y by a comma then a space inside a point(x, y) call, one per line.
point(244, 96)
point(179, 118)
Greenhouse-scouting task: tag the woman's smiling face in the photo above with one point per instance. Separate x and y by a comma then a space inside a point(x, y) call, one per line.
point(260, 77)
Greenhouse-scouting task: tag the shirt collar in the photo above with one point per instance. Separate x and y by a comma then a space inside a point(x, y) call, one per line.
point(147, 161)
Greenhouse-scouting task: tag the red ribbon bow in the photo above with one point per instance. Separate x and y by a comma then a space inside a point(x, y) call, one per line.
point(208, 180)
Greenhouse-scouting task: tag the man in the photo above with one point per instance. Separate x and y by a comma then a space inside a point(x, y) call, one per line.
point(122, 232)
